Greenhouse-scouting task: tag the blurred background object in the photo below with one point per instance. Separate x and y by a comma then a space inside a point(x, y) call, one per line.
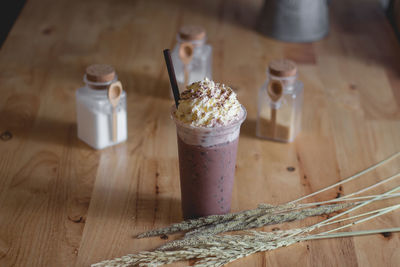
point(393, 12)
point(9, 11)
point(191, 56)
point(385, 3)
point(285, 20)
point(295, 20)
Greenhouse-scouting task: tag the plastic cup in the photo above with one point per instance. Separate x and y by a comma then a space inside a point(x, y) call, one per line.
point(207, 160)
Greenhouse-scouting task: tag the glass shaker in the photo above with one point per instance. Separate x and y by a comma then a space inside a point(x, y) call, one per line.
point(280, 103)
point(191, 56)
point(101, 108)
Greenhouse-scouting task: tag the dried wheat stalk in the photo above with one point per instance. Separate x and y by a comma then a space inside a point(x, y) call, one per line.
point(217, 250)
point(257, 222)
point(263, 215)
point(208, 220)
point(222, 249)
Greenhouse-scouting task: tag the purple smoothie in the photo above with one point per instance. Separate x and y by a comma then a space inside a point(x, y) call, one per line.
point(206, 176)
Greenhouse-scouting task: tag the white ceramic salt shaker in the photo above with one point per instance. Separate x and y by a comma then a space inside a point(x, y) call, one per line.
point(95, 112)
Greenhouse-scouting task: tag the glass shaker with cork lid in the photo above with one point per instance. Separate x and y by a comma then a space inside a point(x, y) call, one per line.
point(280, 103)
point(191, 56)
point(101, 108)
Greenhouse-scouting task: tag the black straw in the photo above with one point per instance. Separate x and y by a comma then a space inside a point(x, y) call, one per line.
point(172, 78)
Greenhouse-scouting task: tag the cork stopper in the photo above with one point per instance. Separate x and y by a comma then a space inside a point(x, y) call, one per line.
point(192, 33)
point(282, 68)
point(100, 73)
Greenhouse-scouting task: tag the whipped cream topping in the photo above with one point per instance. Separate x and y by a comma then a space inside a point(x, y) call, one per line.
point(208, 104)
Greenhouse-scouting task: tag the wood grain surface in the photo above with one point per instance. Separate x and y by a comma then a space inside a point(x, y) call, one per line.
point(64, 204)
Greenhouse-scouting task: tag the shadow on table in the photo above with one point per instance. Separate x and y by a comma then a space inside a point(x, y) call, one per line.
point(365, 35)
point(239, 12)
point(145, 212)
point(143, 209)
point(156, 209)
point(141, 83)
point(248, 128)
point(44, 130)
point(355, 23)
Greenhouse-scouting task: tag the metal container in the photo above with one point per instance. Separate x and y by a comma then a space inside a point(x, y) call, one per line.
point(295, 20)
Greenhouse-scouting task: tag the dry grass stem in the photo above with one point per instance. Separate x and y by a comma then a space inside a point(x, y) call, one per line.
point(204, 242)
point(267, 218)
point(218, 250)
point(263, 215)
point(196, 223)
point(351, 178)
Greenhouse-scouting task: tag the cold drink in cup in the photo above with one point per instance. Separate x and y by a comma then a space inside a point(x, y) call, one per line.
point(208, 122)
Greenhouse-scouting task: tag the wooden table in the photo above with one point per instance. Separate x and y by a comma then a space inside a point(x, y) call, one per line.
point(64, 204)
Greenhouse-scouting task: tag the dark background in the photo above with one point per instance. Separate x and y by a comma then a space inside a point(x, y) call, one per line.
point(9, 11)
